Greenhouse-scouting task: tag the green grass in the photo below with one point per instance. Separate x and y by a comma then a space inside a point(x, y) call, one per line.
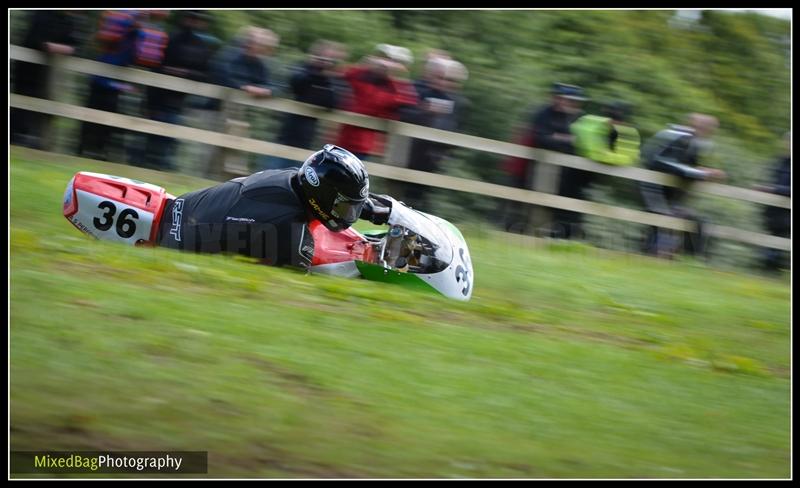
point(568, 361)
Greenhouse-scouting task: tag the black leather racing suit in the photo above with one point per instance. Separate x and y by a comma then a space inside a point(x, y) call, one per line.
point(260, 215)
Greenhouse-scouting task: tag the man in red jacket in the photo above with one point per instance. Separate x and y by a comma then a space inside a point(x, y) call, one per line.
point(380, 88)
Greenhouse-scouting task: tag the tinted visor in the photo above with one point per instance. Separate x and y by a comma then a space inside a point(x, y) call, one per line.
point(346, 209)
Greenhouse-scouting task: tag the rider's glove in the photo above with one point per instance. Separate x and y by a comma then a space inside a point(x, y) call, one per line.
point(376, 209)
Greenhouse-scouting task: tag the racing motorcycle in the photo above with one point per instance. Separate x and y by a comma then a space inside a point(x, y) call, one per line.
point(416, 250)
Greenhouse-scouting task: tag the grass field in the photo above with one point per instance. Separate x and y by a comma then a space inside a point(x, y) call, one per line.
point(568, 361)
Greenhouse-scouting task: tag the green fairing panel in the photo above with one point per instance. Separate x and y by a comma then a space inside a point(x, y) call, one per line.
point(376, 272)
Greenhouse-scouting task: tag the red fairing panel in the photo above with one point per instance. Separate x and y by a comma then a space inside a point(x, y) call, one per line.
point(147, 198)
point(338, 247)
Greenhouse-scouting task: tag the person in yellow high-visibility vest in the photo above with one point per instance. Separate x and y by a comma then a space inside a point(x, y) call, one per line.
point(608, 139)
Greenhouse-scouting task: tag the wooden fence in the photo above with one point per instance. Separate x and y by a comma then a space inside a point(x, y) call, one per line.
point(389, 169)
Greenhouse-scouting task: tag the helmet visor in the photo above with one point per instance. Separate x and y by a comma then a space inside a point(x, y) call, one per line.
point(347, 210)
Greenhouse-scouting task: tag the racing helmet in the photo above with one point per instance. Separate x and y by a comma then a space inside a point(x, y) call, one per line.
point(335, 185)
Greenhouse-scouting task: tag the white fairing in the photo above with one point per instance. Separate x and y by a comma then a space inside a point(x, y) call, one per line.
point(457, 279)
point(111, 220)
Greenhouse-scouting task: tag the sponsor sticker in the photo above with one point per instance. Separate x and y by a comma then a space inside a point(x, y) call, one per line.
point(177, 215)
point(311, 176)
point(319, 210)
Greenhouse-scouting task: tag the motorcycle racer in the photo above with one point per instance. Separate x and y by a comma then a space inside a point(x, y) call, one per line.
point(266, 215)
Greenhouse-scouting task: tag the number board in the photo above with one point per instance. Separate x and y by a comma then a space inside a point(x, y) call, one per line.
point(111, 220)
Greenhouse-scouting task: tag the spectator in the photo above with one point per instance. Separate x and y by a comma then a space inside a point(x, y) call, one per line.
point(151, 39)
point(149, 51)
point(549, 128)
point(222, 60)
point(551, 125)
point(314, 81)
point(778, 220)
point(246, 69)
point(518, 174)
point(53, 32)
point(187, 56)
point(201, 112)
point(608, 139)
point(440, 106)
point(214, 44)
point(380, 88)
point(225, 55)
point(241, 65)
point(517, 170)
point(552, 130)
point(430, 70)
point(677, 150)
point(116, 38)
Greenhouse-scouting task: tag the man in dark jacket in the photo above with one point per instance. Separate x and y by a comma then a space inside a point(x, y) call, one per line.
point(547, 128)
point(50, 31)
point(551, 124)
point(247, 71)
point(187, 56)
point(551, 130)
point(116, 41)
point(778, 221)
point(315, 81)
point(677, 150)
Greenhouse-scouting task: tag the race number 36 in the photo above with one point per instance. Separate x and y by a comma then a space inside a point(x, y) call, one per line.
point(126, 225)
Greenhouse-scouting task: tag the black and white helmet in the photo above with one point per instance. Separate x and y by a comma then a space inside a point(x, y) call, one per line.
point(336, 185)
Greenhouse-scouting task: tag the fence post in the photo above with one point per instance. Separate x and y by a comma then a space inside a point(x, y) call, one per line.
point(229, 161)
point(545, 179)
point(397, 149)
point(395, 154)
point(327, 131)
point(55, 78)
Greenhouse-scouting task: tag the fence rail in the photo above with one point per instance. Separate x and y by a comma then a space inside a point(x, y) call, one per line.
point(389, 171)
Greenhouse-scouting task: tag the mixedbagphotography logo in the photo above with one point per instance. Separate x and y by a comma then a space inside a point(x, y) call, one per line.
point(161, 462)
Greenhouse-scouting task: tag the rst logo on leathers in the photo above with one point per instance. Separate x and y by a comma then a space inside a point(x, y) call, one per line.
point(177, 215)
point(311, 176)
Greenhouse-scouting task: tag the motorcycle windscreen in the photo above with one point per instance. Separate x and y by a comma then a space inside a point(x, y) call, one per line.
point(438, 251)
